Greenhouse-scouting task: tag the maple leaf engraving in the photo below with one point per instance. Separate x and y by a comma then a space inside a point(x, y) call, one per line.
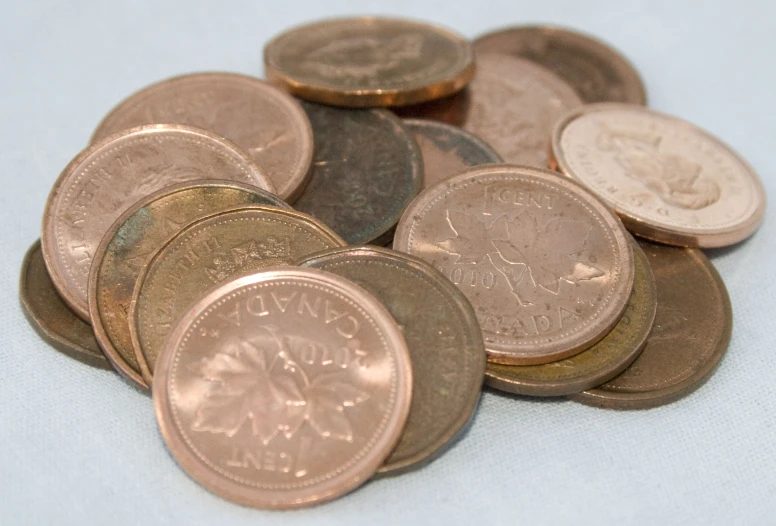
point(470, 242)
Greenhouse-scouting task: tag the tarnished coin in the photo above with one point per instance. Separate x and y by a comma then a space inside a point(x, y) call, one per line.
point(547, 267)
point(284, 388)
point(594, 69)
point(596, 365)
point(690, 336)
point(669, 180)
point(262, 120)
point(210, 251)
point(110, 176)
point(442, 335)
point(50, 316)
point(134, 238)
point(369, 61)
point(448, 149)
point(366, 169)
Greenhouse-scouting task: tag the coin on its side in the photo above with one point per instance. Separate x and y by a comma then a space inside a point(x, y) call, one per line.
point(442, 335)
point(207, 252)
point(369, 61)
point(547, 267)
point(283, 389)
point(261, 119)
point(669, 180)
point(448, 149)
point(367, 168)
point(598, 364)
point(134, 238)
point(108, 177)
point(50, 316)
point(594, 69)
point(689, 338)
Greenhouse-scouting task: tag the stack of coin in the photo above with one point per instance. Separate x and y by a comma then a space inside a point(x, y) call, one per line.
point(289, 355)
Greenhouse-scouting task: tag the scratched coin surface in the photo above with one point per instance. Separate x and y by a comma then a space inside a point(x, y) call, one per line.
point(691, 334)
point(596, 365)
point(369, 61)
point(110, 176)
point(669, 180)
point(442, 335)
point(594, 69)
point(261, 119)
point(447, 150)
point(284, 388)
point(547, 267)
point(50, 316)
point(208, 252)
point(367, 168)
point(134, 238)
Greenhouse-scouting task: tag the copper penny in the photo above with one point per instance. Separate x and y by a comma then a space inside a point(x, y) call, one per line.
point(284, 388)
point(448, 150)
point(134, 238)
point(452, 109)
point(594, 69)
point(207, 252)
point(50, 316)
point(110, 176)
point(547, 267)
point(367, 168)
point(691, 334)
point(261, 119)
point(369, 61)
point(669, 180)
point(442, 335)
point(596, 365)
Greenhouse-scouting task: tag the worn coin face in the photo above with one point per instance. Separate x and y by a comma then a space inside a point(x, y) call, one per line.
point(442, 335)
point(669, 181)
point(283, 389)
point(50, 316)
point(369, 61)
point(208, 252)
point(691, 334)
point(366, 169)
point(547, 267)
point(594, 69)
point(596, 365)
point(448, 149)
point(110, 176)
point(134, 238)
point(262, 120)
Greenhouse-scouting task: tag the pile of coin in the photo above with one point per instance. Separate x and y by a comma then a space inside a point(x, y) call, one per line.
point(290, 356)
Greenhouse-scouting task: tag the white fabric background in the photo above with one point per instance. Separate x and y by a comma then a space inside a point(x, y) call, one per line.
point(80, 446)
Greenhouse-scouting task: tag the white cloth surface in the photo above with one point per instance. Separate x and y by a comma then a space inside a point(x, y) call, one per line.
point(80, 446)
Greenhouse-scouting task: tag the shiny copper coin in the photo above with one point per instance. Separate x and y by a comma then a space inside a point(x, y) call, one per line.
point(596, 365)
point(262, 120)
point(442, 335)
point(690, 336)
point(448, 149)
point(594, 69)
point(208, 252)
point(369, 61)
point(547, 267)
point(669, 181)
point(366, 169)
point(131, 241)
point(50, 316)
point(108, 177)
point(284, 388)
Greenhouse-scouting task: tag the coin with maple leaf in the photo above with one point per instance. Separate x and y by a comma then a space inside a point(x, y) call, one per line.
point(547, 267)
point(283, 388)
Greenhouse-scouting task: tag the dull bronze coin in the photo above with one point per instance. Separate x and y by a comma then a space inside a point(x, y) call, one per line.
point(442, 335)
point(689, 338)
point(283, 389)
point(547, 267)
